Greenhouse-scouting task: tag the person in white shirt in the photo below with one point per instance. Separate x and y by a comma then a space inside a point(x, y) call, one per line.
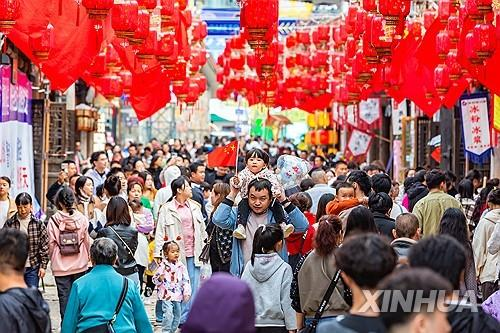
point(321, 187)
point(7, 205)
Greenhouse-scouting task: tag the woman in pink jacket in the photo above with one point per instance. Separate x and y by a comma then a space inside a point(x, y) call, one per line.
point(69, 245)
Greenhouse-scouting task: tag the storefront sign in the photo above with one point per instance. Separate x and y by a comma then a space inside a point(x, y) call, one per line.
point(475, 126)
point(16, 135)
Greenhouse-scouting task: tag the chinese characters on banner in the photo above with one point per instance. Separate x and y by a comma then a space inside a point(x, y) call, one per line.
point(369, 114)
point(399, 110)
point(16, 135)
point(359, 143)
point(476, 128)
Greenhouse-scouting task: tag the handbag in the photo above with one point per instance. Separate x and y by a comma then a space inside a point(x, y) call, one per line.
point(205, 252)
point(311, 328)
point(130, 252)
point(108, 327)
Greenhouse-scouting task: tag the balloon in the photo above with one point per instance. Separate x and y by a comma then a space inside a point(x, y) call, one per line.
point(292, 170)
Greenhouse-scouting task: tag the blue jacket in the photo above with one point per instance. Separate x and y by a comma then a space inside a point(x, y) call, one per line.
point(225, 217)
point(93, 299)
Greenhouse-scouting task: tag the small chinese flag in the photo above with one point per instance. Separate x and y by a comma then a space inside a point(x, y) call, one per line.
point(224, 156)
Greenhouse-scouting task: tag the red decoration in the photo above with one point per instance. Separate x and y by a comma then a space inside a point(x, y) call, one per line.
point(126, 78)
point(370, 5)
point(111, 86)
point(259, 19)
point(9, 13)
point(149, 5)
point(391, 10)
point(148, 49)
point(112, 57)
point(484, 40)
point(41, 43)
point(98, 67)
point(124, 18)
point(223, 156)
point(97, 9)
point(442, 79)
point(142, 31)
point(443, 44)
point(444, 10)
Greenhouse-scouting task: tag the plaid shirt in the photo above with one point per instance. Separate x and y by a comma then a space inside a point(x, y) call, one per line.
point(38, 240)
point(468, 206)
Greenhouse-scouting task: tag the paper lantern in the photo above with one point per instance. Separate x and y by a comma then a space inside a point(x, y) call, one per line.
point(98, 66)
point(97, 9)
point(444, 10)
point(168, 14)
point(167, 48)
point(380, 41)
point(484, 40)
point(359, 23)
point(10, 11)
point(443, 44)
point(181, 89)
point(126, 78)
point(454, 66)
point(259, 19)
point(391, 10)
point(149, 5)
point(429, 17)
point(147, 50)
point(112, 57)
point(142, 31)
point(193, 93)
point(470, 51)
point(124, 18)
point(303, 37)
point(442, 80)
point(41, 43)
point(453, 28)
point(370, 5)
point(111, 86)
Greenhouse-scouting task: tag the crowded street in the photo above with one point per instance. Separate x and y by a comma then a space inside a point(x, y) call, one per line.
point(249, 166)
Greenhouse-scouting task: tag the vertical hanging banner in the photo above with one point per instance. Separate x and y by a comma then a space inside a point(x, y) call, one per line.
point(16, 135)
point(496, 113)
point(369, 114)
point(399, 110)
point(358, 144)
point(476, 128)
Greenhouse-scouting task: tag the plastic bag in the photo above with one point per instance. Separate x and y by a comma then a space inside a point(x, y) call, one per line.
point(205, 272)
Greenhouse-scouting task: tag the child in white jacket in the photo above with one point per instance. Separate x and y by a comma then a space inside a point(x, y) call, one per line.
point(270, 278)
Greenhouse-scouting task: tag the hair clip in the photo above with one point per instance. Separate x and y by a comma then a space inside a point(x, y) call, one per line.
point(263, 228)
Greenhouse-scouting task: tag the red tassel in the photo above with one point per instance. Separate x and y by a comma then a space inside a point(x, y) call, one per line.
point(60, 7)
point(78, 15)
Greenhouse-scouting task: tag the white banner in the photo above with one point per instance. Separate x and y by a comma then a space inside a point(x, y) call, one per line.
point(369, 110)
point(359, 143)
point(399, 110)
point(476, 128)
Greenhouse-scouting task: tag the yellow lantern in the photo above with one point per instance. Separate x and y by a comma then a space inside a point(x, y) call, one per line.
point(311, 120)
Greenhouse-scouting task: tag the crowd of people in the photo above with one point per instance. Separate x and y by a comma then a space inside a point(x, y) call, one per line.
point(338, 252)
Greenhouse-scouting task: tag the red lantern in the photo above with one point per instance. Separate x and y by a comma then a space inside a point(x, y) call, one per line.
point(360, 23)
point(442, 44)
point(370, 5)
point(453, 65)
point(303, 37)
point(182, 4)
point(380, 41)
point(320, 59)
point(360, 68)
point(290, 61)
point(291, 41)
point(167, 14)
point(352, 13)
point(350, 48)
point(442, 80)
point(269, 61)
point(41, 43)
point(97, 9)
point(124, 17)
point(201, 81)
point(484, 40)
point(352, 88)
point(149, 5)
point(148, 49)
point(165, 48)
point(415, 28)
point(472, 10)
point(391, 10)
point(98, 66)
point(453, 29)
point(303, 59)
point(9, 13)
point(237, 61)
point(259, 19)
point(112, 57)
point(470, 51)
point(444, 10)
point(142, 31)
point(126, 78)
point(111, 86)
point(181, 89)
point(484, 6)
point(193, 93)
point(429, 17)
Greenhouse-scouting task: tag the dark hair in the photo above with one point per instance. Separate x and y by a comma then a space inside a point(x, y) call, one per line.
point(117, 212)
point(301, 200)
point(443, 254)
point(13, 250)
point(494, 197)
point(380, 202)
point(434, 178)
point(482, 199)
point(23, 199)
point(342, 185)
point(265, 239)
point(144, 175)
point(104, 251)
point(95, 156)
point(99, 190)
point(6, 179)
point(153, 161)
point(474, 174)
point(406, 225)
point(65, 198)
point(69, 162)
point(328, 235)
point(260, 184)
point(366, 259)
point(132, 145)
point(404, 283)
point(167, 245)
point(466, 189)
point(135, 162)
point(135, 204)
point(409, 183)
point(114, 171)
point(112, 185)
point(178, 184)
point(362, 179)
point(205, 186)
point(454, 223)
point(193, 167)
point(420, 176)
point(360, 220)
point(306, 184)
point(223, 189)
point(258, 153)
point(80, 183)
point(322, 203)
point(381, 182)
point(339, 162)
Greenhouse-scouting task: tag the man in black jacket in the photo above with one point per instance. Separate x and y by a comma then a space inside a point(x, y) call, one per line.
point(22, 309)
point(197, 176)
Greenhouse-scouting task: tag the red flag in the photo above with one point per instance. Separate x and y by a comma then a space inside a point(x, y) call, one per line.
point(150, 92)
point(224, 156)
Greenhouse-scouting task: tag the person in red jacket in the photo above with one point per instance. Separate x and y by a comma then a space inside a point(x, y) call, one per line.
point(295, 242)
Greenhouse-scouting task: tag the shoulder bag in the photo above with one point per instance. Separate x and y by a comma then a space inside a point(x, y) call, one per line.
point(311, 328)
point(108, 327)
point(130, 252)
point(205, 252)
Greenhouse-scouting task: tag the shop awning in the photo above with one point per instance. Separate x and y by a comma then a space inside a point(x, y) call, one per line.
point(218, 119)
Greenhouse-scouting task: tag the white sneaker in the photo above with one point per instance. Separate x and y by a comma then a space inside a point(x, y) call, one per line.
point(288, 229)
point(239, 232)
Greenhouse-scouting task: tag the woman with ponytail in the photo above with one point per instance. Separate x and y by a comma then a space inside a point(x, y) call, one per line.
point(269, 278)
point(315, 272)
point(69, 244)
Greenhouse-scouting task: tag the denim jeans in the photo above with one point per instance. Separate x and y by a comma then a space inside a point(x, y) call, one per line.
point(159, 311)
point(31, 276)
point(322, 320)
point(194, 278)
point(171, 316)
